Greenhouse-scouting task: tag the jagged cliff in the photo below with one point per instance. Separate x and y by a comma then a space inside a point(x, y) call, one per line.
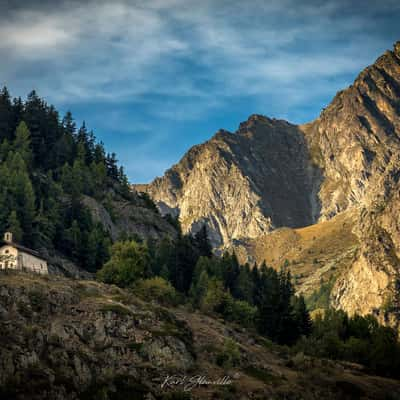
point(271, 174)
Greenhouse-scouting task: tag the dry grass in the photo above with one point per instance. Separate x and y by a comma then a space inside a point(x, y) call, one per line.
point(314, 253)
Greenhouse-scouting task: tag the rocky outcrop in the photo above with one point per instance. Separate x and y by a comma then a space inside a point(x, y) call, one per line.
point(129, 218)
point(371, 283)
point(271, 174)
point(69, 339)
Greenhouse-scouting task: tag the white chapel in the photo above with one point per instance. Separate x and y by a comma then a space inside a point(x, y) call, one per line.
point(15, 256)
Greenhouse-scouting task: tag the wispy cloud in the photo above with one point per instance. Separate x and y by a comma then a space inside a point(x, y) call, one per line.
point(114, 52)
point(185, 60)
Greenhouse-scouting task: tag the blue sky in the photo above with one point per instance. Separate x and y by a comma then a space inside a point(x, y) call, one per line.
point(153, 78)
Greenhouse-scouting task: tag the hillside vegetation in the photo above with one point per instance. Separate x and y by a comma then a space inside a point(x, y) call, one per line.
point(73, 339)
point(59, 190)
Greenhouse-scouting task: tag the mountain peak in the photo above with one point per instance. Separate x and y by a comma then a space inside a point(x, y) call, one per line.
point(258, 117)
point(396, 48)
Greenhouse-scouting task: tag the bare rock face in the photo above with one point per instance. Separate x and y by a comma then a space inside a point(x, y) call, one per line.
point(243, 184)
point(371, 283)
point(355, 141)
point(272, 174)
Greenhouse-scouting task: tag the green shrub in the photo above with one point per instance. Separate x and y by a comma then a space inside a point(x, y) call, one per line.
point(320, 298)
point(229, 356)
point(37, 299)
point(129, 262)
point(240, 311)
point(157, 289)
point(214, 297)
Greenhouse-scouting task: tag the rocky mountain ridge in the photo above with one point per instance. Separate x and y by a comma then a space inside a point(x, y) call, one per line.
point(272, 174)
point(235, 183)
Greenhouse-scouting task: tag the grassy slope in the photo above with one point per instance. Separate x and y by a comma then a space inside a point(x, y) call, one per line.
point(315, 253)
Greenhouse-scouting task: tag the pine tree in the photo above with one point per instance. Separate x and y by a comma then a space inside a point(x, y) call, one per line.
point(302, 316)
point(14, 227)
point(244, 285)
point(287, 330)
point(183, 264)
point(34, 116)
point(6, 115)
point(202, 242)
point(267, 300)
point(112, 168)
point(85, 142)
point(164, 272)
point(69, 124)
point(199, 289)
point(44, 227)
point(79, 179)
point(18, 109)
point(89, 256)
point(22, 143)
point(65, 147)
point(22, 195)
point(203, 264)
point(231, 270)
point(73, 240)
point(99, 153)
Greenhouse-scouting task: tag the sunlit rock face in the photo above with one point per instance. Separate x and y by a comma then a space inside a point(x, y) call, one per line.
point(356, 139)
point(242, 184)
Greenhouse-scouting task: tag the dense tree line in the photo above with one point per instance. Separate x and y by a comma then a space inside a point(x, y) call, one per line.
point(259, 298)
point(358, 339)
point(46, 165)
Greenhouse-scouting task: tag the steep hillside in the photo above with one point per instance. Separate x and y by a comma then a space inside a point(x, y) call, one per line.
point(69, 339)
